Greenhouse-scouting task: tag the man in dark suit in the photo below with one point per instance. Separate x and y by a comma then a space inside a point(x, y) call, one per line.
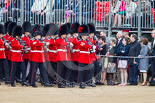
point(134, 51)
point(153, 53)
point(119, 38)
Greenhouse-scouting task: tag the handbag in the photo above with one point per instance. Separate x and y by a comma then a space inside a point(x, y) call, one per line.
point(105, 62)
point(111, 68)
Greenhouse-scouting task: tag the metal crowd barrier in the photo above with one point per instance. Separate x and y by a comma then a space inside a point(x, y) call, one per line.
point(100, 12)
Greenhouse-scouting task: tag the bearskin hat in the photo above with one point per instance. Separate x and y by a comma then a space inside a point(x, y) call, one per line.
point(83, 30)
point(27, 26)
point(6, 26)
point(69, 28)
point(17, 31)
point(10, 27)
point(53, 30)
point(63, 29)
point(46, 29)
point(74, 28)
point(35, 28)
point(91, 28)
point(2, 29)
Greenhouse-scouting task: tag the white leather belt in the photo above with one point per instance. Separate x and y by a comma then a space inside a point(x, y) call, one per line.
point(62, 50)
point(28, 48)
point(53, 51)
point(1, 49)
point(16, 51)
point(76, 50)
point(85, 52)
point(37, 51)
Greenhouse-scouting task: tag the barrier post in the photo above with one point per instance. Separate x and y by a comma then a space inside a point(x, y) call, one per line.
point(109, 26)
point(139, 18)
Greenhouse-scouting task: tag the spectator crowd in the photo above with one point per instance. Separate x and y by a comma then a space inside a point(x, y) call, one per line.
point(63, 11)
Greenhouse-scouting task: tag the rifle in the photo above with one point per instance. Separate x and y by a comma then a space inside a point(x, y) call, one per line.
point(71, 49)
point(5, 41)
point(23, 43)
point(89, 43)
point(45, 46)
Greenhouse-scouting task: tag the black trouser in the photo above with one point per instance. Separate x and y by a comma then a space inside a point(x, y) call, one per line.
point(83, 72)
point(4, 66)
point(30, 72)
point(97, 70)
point(26, 62)
point(52, 71)
point(74, 74)
point(90, 73)
point(153, 66)
point(10, 65)
point(18, 72)
point(64, 71)
point(43, 72)
point(133, 74)
point(13, 71)
point(68, 70)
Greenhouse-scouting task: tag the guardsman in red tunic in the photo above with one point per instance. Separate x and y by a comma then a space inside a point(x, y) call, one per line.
point(92, 40)
point(3, 60)
point(16, 56)
point(27, 29)
point(10, 28)
point(35, 28)
point(62, 59)
point(38, 60)
point(46, 39)
point(6, 36)
point(52, 53)
point(75, 54)
point(69, 68)
point(84, 55)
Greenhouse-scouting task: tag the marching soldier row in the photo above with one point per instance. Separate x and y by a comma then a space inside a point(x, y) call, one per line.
point(64, 55)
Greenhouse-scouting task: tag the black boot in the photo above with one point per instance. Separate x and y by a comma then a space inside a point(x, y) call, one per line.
point(7, 82)
point(68, 84)
point(18, 81)
point(34, 85)
point(91, 84)
point(25, 83)
point(48, 85)
point(13, 85)
point(61, 86)
point(82, 86)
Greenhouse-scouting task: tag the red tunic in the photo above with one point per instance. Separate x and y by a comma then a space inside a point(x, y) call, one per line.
point(75, 54)
point(27, 40)
point(6, 37)
point(2, 50)
point(16, 54)
point(9, 53)
point(92, 55)
point(61, 49)
point(32, 48)
point(52, 53)
point(46, 53)
point(68, 51)
point(37, 51)
point(84, 55)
